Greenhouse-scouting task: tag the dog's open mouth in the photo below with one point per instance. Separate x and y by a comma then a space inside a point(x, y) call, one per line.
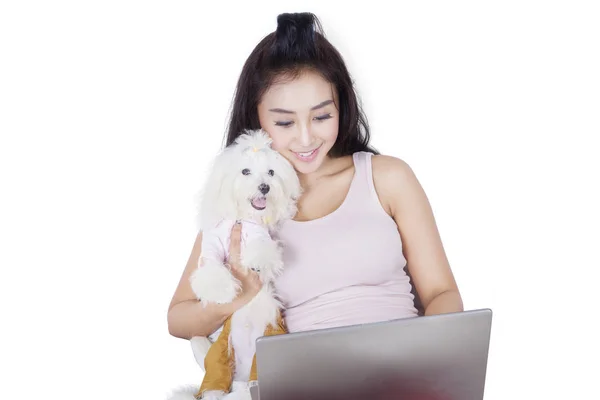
point(259, 203)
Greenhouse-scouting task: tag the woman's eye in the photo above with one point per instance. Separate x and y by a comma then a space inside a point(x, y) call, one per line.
point(323, 117)
point(286, 124)
point(271, 172)
point(246, 171)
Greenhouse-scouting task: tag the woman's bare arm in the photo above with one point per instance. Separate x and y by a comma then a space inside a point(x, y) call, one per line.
point(406, 201)
point(187, 317)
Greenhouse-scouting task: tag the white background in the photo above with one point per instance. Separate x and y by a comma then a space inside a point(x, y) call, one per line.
point(110, 112)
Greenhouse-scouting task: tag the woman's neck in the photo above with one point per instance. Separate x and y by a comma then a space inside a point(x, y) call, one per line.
point(330, 166)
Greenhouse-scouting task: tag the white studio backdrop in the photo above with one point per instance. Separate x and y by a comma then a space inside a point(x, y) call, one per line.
point(111, 111)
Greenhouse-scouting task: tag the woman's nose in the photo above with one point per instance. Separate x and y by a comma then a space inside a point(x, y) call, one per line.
point(305, 136)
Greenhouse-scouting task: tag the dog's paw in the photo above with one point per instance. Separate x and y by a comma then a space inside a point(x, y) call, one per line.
point(213, 395)
point(239, 394)
point(187, 392)
point(264, 257)
point(212, 282)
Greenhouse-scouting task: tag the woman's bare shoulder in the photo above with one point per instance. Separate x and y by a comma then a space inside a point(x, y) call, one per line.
point(392, 177)
point(385, 166)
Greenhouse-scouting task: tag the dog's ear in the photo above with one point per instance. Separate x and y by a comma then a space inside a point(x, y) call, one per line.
point(290, 186)
point(215, 201)
point(290, 178)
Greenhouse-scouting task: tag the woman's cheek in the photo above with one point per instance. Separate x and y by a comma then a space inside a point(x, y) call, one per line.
point(278, 143)
point(328, 132)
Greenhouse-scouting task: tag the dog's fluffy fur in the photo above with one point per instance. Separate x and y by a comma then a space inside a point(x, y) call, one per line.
point(253, 184)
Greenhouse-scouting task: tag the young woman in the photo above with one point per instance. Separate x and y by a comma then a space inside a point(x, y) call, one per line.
point(365, 236)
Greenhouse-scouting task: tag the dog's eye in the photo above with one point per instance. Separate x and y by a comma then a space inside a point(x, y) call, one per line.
point(246, 171)
point(271, 172)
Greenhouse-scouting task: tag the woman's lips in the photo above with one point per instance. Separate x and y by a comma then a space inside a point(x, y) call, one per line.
point(307, 156)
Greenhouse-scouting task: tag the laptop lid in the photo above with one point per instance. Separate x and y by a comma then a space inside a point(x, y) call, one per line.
point(441, 357)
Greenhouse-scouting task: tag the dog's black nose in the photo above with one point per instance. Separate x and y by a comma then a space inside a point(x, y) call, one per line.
point(264, 188)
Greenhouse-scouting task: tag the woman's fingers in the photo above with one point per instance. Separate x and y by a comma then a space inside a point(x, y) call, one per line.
point(250, 280)
point(235, 240)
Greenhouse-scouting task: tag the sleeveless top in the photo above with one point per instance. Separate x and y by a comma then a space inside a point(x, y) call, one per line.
point(347, 267)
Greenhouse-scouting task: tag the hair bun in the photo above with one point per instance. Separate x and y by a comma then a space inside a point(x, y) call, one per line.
point(295, 36)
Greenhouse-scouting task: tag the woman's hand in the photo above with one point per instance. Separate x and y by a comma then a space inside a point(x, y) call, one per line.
point(250, 282)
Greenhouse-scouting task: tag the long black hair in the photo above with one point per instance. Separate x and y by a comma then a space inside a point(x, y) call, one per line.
point(298, 44)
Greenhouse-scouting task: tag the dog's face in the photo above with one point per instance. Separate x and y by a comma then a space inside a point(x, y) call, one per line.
point(262, 184)
point(252, 181)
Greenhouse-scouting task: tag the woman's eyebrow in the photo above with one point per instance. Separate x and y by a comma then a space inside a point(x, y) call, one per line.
point(283, 111)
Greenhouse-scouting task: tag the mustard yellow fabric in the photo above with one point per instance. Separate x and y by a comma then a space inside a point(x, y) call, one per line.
point(279, 329)
point(219, 362)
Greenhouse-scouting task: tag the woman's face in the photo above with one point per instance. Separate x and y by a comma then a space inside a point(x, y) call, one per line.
point(301, 118)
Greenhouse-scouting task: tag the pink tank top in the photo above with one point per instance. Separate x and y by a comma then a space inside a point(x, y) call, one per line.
point(347, 267)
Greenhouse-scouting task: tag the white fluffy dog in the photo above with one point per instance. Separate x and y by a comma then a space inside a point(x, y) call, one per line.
point(253, 184)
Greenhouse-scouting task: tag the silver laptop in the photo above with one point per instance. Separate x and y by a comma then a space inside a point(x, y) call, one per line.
point(441, 357)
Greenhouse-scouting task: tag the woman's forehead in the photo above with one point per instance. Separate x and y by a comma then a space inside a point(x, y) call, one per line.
point(299, 94)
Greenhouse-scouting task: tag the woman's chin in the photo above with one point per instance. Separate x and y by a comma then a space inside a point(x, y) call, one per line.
point(305, 169)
